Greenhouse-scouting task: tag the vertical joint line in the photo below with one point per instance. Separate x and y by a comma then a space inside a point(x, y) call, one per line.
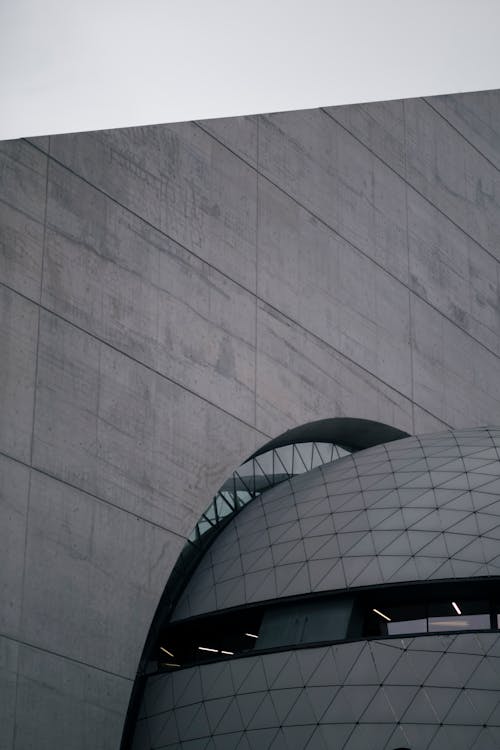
point(35, 381)
point(257, 187)
point(410, 323)
point(39, 305)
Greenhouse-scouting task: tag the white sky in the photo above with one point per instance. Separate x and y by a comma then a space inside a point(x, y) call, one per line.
point(70, 65)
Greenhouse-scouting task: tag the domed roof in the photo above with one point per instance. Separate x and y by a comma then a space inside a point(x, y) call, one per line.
point(415, 509)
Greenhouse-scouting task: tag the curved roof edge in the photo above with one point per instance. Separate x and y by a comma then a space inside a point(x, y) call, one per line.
point(355, 434)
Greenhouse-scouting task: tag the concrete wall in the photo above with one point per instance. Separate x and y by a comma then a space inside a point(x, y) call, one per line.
point(171, 297)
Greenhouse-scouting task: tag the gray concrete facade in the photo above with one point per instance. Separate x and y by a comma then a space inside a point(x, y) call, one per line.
point(171, 298)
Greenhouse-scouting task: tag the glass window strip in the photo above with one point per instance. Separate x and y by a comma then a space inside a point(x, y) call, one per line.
point(400, 612)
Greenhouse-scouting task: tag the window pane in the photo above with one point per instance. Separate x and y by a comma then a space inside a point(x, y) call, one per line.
point(407, 626)
point(307, 622)
point(458, 615)
point(393, 619)
point(455, 622)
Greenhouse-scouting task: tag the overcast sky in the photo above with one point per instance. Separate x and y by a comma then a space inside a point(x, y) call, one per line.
point(69, 65)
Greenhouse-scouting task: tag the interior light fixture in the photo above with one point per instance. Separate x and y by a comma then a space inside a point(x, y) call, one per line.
point(162, 648)
point(229, 653)
point(456, 608)
point(251, 635)
point(169, 664)
point(205, 648)
point(382, 615)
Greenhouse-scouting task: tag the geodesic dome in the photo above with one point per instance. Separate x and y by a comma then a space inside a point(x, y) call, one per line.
point(368, 590)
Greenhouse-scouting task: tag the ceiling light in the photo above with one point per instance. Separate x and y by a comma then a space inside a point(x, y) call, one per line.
point(162, 648)
point(229, 653)
point(251, 635)
point(204, 648)
point(168, 664)
point(456, 608)
point(382, 615)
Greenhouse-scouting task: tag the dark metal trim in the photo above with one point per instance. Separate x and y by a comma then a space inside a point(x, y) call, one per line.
point(354, 434)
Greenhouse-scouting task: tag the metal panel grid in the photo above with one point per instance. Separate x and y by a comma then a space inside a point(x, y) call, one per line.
point(424, 693)
point(421, 508)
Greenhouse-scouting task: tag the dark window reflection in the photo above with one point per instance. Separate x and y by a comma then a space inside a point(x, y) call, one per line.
point(398, 611)
point(212, 637)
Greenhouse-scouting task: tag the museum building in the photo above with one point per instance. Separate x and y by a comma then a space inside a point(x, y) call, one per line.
point(297, 294)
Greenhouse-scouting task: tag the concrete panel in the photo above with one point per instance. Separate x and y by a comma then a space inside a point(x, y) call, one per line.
point(475, 116)
point(316, 278)
point(118, 278)
point(423, 422)
point(380, 126)
point(453, 273)
point(450, 173)
point(40, 141)
point(126, 434)
point(14, 489)
point(124, 163)
point(209, 201)
point(455, 378)
point(331, 174)
point(63, 704)
point(237, 133)
point(65, 429)
point(94, 575)
point(299, 379)
point(180, 180)
point(8, 684)
point(23, 175)
point(18, 334)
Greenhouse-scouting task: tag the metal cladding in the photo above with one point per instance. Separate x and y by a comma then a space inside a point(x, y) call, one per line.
point(412, 510)
point(418, 509)
point(425, 693)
